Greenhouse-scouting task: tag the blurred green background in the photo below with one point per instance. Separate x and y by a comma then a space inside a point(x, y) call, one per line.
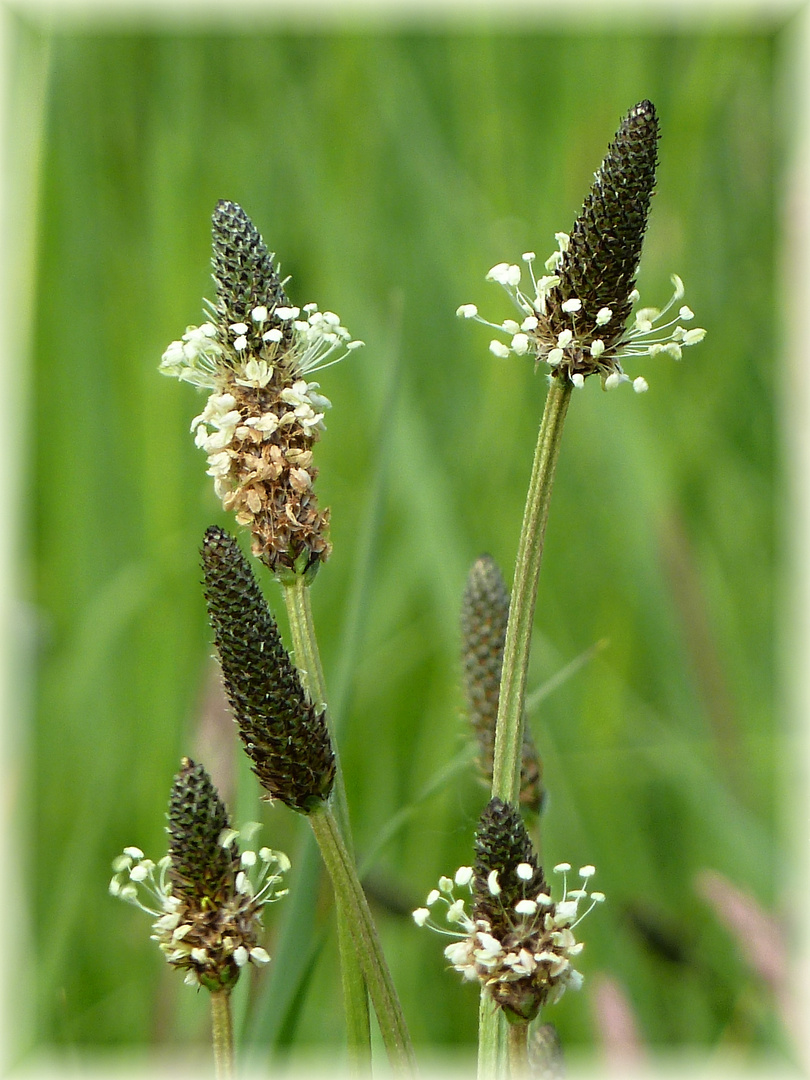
point(389, 168)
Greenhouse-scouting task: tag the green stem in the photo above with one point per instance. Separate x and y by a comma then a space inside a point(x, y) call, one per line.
point(222, 1031)
point(366, 942)
point(518, 1039)
point(509, 725)
point(355, 998)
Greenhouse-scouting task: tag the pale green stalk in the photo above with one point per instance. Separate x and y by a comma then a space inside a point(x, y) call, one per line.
point(518, 1040)
point(222, 1032)
point(355, 999)
point(509, 725)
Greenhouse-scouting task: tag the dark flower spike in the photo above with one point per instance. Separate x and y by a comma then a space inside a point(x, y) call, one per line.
point(205, 896)
point(263, 416)
point(284, 734)
point(484, 615)
point(243, 269)
point(518, 942)
point(574, 318)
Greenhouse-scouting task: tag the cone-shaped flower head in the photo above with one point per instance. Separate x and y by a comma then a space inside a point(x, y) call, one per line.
point(284, 734)
point(484, 615)
point(575, 317)
point(263, 415)
point(518, 942)
point(205, 896)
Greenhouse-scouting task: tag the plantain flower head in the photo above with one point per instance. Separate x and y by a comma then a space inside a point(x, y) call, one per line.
point(574, 317)
point(517, 941)
point(205, 896)
point(256, 355)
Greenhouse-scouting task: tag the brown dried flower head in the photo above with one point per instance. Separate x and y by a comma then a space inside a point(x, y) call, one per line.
point(263, 416)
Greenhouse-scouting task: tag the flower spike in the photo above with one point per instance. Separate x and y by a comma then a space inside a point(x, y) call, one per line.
point(263, 416)
point(284, 734)
point(574, 318)
point(517, 942)
point(205, 896)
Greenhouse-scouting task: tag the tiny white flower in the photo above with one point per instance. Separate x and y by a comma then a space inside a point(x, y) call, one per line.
point(528, 256)
point(497, 348)
point(455, 912)
point(612, 381)
point(290, 312)
point(239, 327)
point(526, 907)
point(467, 311)
point(241, 956)
point(587, 871)
point(492, 883)
point(562, 868)
point(445, 885)
point(597, 348)
point(529, 323)
point(692, 337)
point(525, 871)
point(259, 955)
point(421, 916)
point(259, 314)
point(432, 897)
point(464, 875)
point(564, 338)
point(458, 953)
point(686, 313)
point(133, 852)
point(520, 344)
point(640, 385)
point(571, 305)
point(603, 316)
point(564, 912)
point(578, 379)
point(555, 356)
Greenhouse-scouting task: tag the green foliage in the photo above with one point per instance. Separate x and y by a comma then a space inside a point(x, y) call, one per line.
point(389, 170)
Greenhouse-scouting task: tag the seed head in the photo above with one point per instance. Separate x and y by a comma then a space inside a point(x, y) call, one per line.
point(284, 734)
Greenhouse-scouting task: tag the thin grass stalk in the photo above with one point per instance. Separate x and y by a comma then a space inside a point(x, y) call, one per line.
point(381, 989)
point(355, 997)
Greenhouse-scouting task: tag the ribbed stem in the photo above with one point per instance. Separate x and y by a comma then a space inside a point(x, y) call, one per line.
point(509, 729)
point(222, 1032)
point(366, 942)
point(509, 726)
point(308, 661)
point(518, 1051)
